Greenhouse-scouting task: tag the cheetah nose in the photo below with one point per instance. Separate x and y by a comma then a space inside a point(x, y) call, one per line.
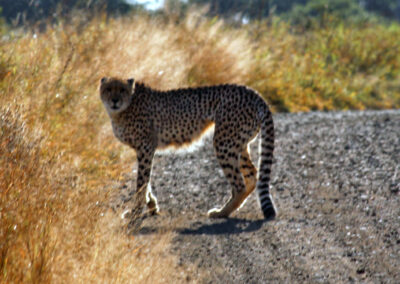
point(114, 101)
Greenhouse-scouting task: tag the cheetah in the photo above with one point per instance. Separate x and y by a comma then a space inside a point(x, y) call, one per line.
point(148, 120)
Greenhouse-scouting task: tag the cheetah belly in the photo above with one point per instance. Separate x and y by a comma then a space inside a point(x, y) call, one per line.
point(177, 137)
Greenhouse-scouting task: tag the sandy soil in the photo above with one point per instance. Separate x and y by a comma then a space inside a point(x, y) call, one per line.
point(336, 184)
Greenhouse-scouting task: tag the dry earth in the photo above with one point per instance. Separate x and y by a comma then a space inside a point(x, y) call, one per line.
point(336, 182)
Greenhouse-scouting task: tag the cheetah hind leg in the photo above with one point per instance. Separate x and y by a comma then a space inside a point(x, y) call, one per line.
point(231, 169)
point(249, 172)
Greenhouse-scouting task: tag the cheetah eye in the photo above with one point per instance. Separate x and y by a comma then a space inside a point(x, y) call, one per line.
point(108, 90)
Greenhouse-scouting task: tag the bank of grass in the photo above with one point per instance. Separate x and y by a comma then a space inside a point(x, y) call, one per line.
point(56, 225)
point(58, 156)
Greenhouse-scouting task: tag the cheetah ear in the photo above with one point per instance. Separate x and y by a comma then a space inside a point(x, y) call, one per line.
point(103, 80)
point(130, 82)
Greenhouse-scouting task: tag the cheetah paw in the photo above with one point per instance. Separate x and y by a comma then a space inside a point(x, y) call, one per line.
point(216, 213)
point(154, 212)
point(127, 214)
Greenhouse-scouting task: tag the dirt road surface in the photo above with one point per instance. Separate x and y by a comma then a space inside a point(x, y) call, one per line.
point(336, 184)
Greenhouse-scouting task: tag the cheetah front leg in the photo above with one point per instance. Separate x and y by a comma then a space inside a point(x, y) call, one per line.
point(151, 202)
point(143, 188)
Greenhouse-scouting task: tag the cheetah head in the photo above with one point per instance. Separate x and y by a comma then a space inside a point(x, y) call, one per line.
point(116, 94)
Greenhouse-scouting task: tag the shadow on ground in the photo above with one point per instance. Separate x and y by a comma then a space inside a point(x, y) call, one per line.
point(227, 226)
point(217, 227)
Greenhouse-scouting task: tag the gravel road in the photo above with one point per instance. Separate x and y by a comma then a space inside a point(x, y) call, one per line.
point(336, 184)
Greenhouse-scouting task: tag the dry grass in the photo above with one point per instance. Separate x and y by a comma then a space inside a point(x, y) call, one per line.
point(57, 152)
point(56, 227)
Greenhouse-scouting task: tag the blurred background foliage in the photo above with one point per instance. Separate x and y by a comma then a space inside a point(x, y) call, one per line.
point(342, 9)
point(23, 11)
point(321, 55)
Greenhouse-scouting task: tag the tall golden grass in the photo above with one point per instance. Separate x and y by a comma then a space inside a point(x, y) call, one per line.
point(58, 156)
point(57, 227)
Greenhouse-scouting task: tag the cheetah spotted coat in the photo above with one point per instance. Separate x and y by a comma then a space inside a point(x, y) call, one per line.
point(148, 119)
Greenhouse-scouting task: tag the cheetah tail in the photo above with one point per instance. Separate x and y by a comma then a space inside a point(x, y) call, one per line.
point(265, 162)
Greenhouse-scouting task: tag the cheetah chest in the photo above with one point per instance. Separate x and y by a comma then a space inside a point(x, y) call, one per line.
point(124, 133)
